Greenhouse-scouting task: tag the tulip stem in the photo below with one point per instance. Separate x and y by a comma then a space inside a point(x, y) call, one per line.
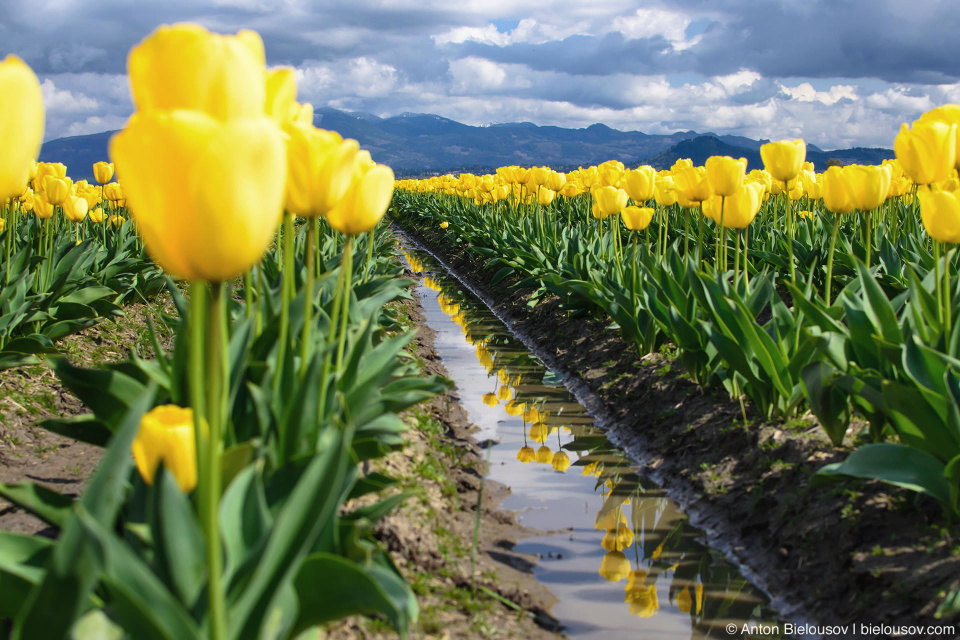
point(736, 260)
point(789, 217)
point(868, 233)
point(700, 238)
point(347, 289)
point(833, 244)
point(947, 297)
point(306, 335)
point(216, 389)
point(746, 257)
point(366, 268)
point(331, 336)
point(286, 289)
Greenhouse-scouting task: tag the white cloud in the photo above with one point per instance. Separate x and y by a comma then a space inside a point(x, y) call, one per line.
point(804, 92)
point(56, 100)
point(648, 23)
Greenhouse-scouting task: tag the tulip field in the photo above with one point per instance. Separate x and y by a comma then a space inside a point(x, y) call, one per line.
point(235, 497)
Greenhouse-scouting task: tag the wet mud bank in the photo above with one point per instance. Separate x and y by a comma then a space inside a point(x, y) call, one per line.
point(855, 554)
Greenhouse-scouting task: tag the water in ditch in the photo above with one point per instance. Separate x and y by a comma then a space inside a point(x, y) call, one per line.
point(620, 557)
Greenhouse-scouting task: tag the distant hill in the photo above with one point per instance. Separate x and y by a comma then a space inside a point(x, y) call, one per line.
point(422, 144)
point(78, 153)
point(702, 147)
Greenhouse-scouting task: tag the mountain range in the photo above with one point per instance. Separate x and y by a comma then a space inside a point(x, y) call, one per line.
point(417, 144)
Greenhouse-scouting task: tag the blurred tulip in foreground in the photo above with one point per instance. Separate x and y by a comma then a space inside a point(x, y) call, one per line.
point(21, 124)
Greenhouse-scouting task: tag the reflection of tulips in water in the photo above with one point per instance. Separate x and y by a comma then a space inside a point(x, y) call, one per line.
point(514, 408)
point(618, 539)
point(684, 601)
point(539, 432)
point(642, 599)
point(526, 454)
point(505, 394)
point(544, 455)
point(490, 399)
point(615, 566)
point(561, 461)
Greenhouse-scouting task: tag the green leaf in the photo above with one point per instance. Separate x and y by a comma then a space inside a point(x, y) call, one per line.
point(177, 539)
point(501, 274)
point(829, 403)
point(308, 509)
point(330, 587)
point(22, 562)
point(50, 506)
point(139, 600)
point(73, 570)
point(895, 464)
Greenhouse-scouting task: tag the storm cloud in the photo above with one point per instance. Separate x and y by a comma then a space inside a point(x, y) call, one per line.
point(836, 72)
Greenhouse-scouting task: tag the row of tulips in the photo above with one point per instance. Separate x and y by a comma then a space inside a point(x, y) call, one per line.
point(223, 506)
point(805, 306)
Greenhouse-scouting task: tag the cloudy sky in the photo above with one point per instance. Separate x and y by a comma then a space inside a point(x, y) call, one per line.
point(838, 73)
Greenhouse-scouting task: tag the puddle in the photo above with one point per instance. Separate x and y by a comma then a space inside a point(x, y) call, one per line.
point(620, 557)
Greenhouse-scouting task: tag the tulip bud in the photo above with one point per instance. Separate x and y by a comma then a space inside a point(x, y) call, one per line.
point(21, 124)
point(837, 193)
point(637, 218)
point(639, 183)
point(725, 175)
point(103, 172)
point(868, 185)
point(75, 209)
point(610, 200)
point(928, 152)
point(184, 66)
point(940, 212)
point(56, 190)
point(167, 435)
point(784, 159)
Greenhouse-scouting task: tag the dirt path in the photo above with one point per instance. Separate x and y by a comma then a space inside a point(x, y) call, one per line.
point(853, 552)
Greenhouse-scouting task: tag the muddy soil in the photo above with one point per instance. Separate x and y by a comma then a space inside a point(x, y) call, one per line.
point(31, 394)
point(856, 552)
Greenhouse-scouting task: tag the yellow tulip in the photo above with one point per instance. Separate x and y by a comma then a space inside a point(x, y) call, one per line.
point(940, 211)
point(739, 209)
point(561, 461)
point(640, 183)
point(229, 176)
point(97, 215)
point(490, 399)
point(103, 172)
point(545, 196)
point(664, 191)
point(116, 221)
point(321, 167)
point(504, 394)
point(784, 159)
point(637, 218)
point(56, 190)
point(614, 567)
point(617, 539)
point(642, 600)
point(365, 202)
point(544, 455)
point(526, 454)
point(868, 185)
point(837, 191)
point(693, 184)
point(113, 192)
point(927, 152)
point(21, 124)
point(610, 200)
point(555, 181)
point(184, 66)
point(75, 209)
point(281, 90)
point(725, 174)
point(41, 208)
point(444, 225)
point(167, 435)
